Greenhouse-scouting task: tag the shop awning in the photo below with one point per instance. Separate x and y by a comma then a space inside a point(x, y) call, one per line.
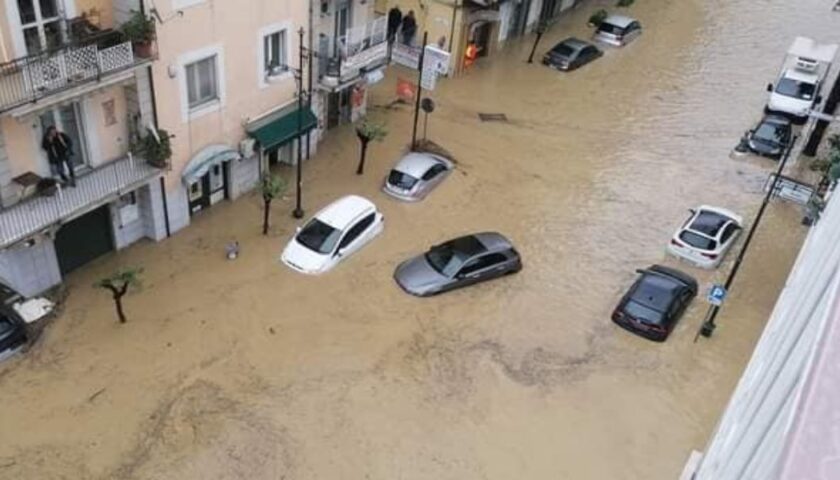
point(278, 129)
point(205, 159)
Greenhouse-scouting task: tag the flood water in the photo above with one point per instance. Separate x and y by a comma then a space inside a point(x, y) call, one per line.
point(246, 370)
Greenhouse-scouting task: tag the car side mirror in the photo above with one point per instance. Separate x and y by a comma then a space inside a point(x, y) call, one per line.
point(769, 87)
point(298, 229)
point(692, 210)
point(818, 99)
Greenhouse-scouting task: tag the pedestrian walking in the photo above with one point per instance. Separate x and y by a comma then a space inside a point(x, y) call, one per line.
point(409, 28)
point(59, 150)
point(395, 18)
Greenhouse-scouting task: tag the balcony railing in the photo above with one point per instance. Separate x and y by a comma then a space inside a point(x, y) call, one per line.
point(362, 48)
point(95, 188)
point(34, 77)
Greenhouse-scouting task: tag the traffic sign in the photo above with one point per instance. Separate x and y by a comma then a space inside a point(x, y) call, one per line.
point(717, 294)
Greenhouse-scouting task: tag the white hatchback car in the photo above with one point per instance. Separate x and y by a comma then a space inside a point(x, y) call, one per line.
point(334, 233)
point(706, 236)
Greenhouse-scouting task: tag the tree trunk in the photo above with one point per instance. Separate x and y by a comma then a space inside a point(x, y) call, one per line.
point(266, 210)
point(361, 168)
point(118, 303)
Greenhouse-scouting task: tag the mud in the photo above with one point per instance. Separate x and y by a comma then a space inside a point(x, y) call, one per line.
point(244, 369)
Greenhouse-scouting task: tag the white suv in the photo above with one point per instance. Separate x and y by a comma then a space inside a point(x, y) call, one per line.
point(706, 236)
point(332, 234)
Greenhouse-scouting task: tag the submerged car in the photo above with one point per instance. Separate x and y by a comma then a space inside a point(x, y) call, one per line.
point(15, 312)
point(458, 263)
point(617, 30)
point(416, 174)
point(334, 233)
point(771, 137)
point(706, 236)
point(570, 54)
point(655, 302)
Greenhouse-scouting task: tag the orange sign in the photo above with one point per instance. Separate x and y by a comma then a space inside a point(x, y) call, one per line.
point(405, 90)
point(358, 96)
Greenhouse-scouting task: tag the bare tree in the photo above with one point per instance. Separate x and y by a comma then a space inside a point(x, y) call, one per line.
point(118, 284)
point(272, 187)
point(368, 131)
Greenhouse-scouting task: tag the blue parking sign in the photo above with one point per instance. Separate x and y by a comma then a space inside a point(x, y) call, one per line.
point(717, 294)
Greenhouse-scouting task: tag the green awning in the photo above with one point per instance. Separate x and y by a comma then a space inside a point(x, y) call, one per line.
point(273, 132)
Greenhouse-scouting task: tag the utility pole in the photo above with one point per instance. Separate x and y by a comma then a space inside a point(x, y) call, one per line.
point(709, 323)
point(419, 90)
point(542, 26)
point(298, 211)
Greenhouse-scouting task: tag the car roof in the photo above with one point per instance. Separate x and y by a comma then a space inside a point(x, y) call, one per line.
point(573, 42)
point(656, 290)
point(801, 76)
point(478, 243)
point(343, 211)
point(494, 241)
point(619, 20)
point(416, 164)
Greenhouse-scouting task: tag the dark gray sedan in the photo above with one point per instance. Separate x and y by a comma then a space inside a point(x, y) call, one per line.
point(458, 263)
point(570, 54)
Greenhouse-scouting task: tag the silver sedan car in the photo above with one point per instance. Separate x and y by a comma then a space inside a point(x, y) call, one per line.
point(417, 174)
point(458, 263)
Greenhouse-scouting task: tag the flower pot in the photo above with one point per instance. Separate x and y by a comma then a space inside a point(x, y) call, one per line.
point(143, 49)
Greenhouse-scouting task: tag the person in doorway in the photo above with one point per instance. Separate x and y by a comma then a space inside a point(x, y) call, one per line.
point(470, 54)
point(409, 28)
point(59, 150)
point(395, 18)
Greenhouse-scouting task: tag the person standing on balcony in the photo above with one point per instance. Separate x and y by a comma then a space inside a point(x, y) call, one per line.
point(409, 28)
point(395, 18)
point(59, 149)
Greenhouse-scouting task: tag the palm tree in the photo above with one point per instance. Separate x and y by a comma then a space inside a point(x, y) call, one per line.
point(368, 131)
point(118, 284)
point(271, 188)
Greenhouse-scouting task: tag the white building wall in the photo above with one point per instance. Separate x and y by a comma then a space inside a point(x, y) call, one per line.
point(31, 269)
point(753, 431)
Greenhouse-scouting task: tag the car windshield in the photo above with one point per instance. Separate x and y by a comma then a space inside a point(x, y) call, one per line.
point(318, 236)
point(563, 50)
point(796, 89)
point(610, 28)
point(769, 133)
point(643, 313)
point(6, 326)
point(8, 295)
point(401, 180)
point(697, 240)
point(447, 258)
point(708, 223)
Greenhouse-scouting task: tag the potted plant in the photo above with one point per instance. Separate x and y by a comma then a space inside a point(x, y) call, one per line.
point(155, 149)
point(140, 31)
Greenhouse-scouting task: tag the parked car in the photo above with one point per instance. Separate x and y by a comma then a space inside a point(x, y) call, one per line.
point(15, 312)
point(655, 302)
point(771, 137)
point(706, 236)
point(570, 54)
point(617, 30)
point(333, 234)
point(416, 175)
point(458, 263)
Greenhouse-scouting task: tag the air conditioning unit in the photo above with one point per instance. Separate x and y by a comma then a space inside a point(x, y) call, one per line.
point(807, 64)
point(246, 147)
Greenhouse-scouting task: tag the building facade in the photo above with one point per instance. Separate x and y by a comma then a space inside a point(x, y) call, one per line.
point(67, 64)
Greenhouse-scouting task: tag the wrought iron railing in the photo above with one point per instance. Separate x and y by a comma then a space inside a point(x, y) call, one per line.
point(86, 58)
point(360, 47)
point(39, 212)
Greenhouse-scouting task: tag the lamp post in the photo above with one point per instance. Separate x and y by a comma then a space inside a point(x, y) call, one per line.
point(298, 211)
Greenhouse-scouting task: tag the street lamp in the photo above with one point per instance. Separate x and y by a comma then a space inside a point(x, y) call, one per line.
point(298, 72)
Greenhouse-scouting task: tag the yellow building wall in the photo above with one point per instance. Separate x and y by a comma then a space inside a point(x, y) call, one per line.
point(225, 23)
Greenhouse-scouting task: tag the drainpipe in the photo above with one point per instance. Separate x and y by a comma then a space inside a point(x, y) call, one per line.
point(309, 68)
point(455, 7)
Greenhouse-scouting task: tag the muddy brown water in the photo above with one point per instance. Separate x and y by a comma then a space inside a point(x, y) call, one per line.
point(247, 370)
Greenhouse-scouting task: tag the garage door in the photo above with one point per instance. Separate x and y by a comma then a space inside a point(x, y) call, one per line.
point(83, 240)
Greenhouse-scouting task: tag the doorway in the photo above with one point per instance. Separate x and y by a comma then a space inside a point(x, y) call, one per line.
point(481, 33)
point(68, 119)
point(209, 189)
point(83, 240)
point(339, 109)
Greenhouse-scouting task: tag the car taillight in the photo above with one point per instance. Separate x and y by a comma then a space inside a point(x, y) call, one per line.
point(711, 256)
point(618, 315)
point(656, 328)
point(675, 242)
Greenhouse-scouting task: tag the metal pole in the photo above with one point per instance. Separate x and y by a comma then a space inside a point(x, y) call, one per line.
point(298, 212)
point(419, 90)
point(540, 31)
point(309, 80)
point(709, 323)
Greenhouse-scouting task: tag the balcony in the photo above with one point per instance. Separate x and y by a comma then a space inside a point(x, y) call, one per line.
point(87, 59)
point(97, 187)
point(363, 49)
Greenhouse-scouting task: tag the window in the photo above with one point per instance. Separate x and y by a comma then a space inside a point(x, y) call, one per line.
point(318, 236)
point(357, 230)
point(41, 24)
point(274, 53)
point(483, 262)
point(434, 171)
point(727, 232)
point(202, 87)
